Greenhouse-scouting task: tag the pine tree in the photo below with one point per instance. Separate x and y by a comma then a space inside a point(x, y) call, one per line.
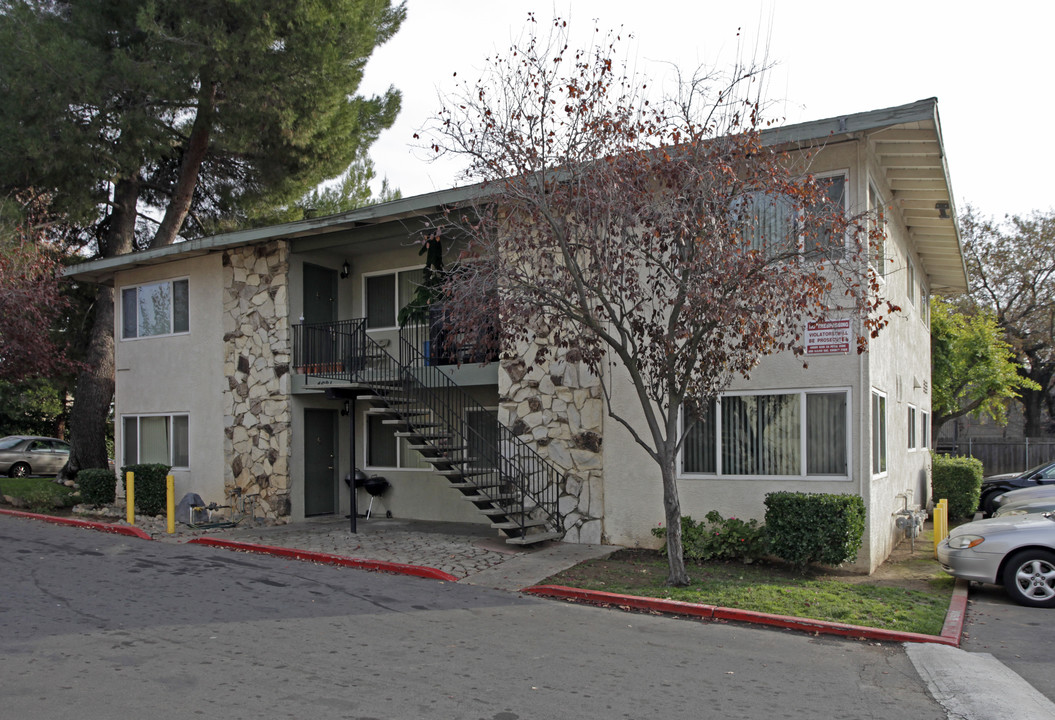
point(120, 110)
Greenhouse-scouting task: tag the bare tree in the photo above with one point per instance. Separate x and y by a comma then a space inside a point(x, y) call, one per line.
point(663, 241)
point(1012, 271)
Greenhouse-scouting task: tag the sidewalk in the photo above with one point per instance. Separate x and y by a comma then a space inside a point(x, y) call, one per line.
point(472, 553)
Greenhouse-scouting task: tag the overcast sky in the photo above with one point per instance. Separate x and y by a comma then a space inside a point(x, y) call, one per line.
point(989, 65)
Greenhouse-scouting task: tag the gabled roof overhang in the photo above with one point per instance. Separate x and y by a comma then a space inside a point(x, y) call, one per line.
point(907, 144)
point(906, 140)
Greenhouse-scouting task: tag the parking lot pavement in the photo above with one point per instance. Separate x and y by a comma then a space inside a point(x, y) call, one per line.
point(1020, 637)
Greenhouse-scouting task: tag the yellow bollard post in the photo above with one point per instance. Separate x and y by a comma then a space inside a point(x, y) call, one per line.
point(130, 497)
point(941, 523)
point(170, 497)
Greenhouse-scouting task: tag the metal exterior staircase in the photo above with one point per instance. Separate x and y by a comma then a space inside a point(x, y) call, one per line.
point(501, 475)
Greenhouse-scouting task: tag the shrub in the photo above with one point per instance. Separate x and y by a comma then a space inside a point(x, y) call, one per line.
point(98, 486)
point(39, 500)
point(958, 480)
point(149, 487)
point(718, 538)
point(804, 528)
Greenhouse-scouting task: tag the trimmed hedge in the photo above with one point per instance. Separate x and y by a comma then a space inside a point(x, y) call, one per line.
point(98, 486)
point(149, 488)
point(959, 480)
point(806, 528)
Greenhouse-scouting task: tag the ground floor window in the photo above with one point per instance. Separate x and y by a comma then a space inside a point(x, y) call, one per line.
point(385, 450)
point(878, 433)
point(162, 439)
point(799, 433)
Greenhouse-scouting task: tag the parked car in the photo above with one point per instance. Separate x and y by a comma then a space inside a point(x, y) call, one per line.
point(1023, 495)
point(1025, 507)
point(24, 455)
point(1016, 551)
point(1043, 474)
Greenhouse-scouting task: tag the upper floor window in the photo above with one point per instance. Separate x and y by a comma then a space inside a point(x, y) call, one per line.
point(776, 224)
point(160, 308)
point(910, 276)
point(385, 294)
point(877, 215)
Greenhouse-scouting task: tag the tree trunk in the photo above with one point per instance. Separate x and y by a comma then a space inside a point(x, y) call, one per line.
point(678, 575)
point(93, 392)
point(94, 389)
point(190, 167)
point(1033, 411)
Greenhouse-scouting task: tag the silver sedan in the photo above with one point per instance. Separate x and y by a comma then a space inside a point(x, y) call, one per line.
point(24, 455)
point(1016, 551)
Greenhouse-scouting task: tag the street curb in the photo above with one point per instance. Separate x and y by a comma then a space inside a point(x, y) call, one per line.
point(950, 634)
point(86, 524)
point(329, 559)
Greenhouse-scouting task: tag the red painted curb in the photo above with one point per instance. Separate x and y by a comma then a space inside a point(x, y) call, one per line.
point(328, 558)
point(711, 612)
point(87, 524)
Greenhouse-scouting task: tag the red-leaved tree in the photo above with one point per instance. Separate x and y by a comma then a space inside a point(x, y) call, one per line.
point(30, 297)
point(662, 241)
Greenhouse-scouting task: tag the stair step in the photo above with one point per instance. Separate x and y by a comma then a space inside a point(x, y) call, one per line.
point(493, 498)
point(478, 485)
point(510, 525)
point(433, 447)
point(464, 472)
point(424, 436)
point(383, 411)
point(534, 538)
point(410, 423)
point(386, 399)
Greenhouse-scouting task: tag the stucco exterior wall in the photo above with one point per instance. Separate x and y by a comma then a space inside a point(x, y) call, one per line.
point(179, 374)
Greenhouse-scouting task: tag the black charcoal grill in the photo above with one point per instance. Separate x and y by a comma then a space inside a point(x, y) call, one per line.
point(375, 486)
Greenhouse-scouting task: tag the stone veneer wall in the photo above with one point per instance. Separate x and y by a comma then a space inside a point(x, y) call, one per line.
point(257, 357)
point(558, 409)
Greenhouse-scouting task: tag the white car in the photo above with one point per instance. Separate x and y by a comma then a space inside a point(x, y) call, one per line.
point(1023, 496)
point(1016, 551)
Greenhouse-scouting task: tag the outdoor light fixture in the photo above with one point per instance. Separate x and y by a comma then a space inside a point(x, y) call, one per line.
point(346, 408)
point(943, 210)
point(346, 270)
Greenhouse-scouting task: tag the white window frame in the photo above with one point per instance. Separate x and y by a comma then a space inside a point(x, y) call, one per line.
point(878, 443)
point(910, 283)
point(924, 427)
point(803, 437)
point(924, 309)
point(877, 206)
point(172, 310)
point(139, 435)
point(395, 272)
point(913, 428)
point(796, 213)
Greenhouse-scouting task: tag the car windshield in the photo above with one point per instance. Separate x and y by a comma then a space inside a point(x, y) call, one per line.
point(9, 442)
point(1034, 470)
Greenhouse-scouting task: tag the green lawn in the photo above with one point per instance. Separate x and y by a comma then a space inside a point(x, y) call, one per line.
point(38, 493)
point(773, 588)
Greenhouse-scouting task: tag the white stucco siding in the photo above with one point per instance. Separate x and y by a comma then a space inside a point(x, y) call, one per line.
point(897, 363)
point(178, 374)
point(899, 367)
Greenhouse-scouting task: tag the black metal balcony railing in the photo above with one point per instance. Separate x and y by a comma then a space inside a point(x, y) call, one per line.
point(500, 461)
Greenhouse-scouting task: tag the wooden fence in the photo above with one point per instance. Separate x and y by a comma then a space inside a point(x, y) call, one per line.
point(1002, 456)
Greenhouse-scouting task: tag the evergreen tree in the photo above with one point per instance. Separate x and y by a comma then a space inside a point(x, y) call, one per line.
point(120, 110)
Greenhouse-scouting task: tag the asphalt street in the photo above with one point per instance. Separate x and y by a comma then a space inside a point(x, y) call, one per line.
point(102, 626)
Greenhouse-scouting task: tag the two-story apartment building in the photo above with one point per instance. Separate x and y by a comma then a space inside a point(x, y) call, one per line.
point(259, 363)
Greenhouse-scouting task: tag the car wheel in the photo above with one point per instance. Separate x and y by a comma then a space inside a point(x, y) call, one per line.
point(19, 470)
point(1029, 578)
point(988, 503)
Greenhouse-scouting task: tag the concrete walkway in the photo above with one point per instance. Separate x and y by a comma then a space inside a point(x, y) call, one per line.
point(472, 553)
